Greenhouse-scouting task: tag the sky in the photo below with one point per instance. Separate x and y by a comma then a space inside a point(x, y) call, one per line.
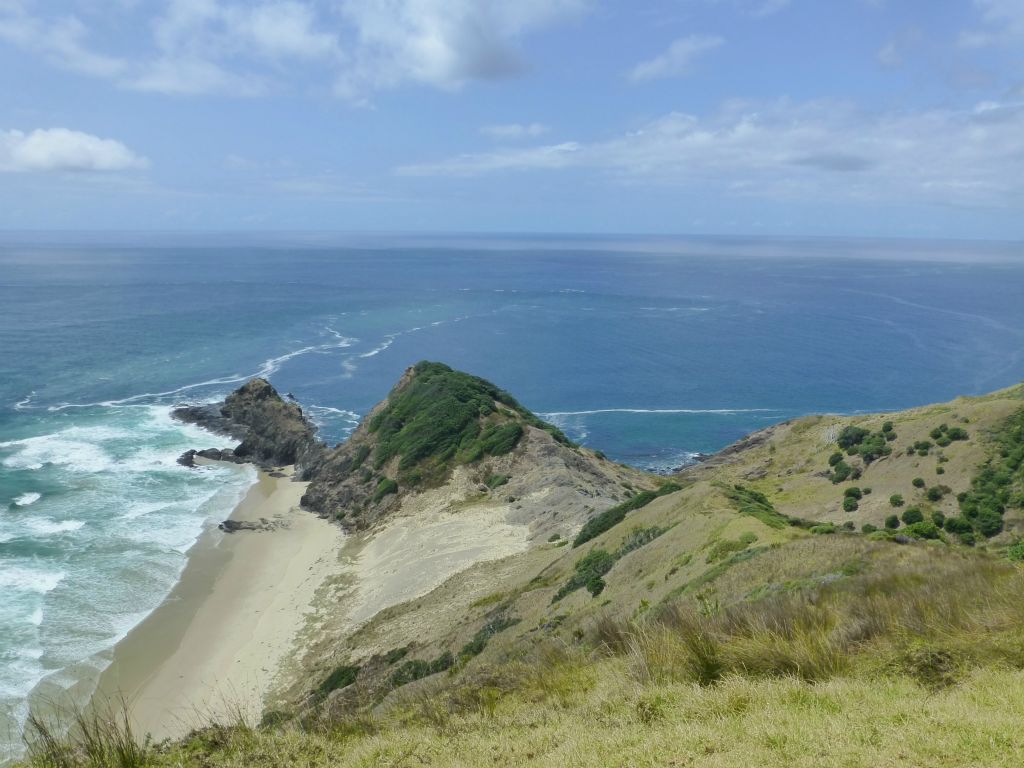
point(876, 118)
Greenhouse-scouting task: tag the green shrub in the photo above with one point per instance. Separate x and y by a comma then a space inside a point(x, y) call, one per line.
point(747, 501)
point(1016, 551)
point(339, 678)
point(849, 504)
point(853, 492)
point(359, 457)
point(887, 427)
point(476, 646)
point(939, 518)
point(958, 525)
point(823, 529)
point(608, 519)
point(918, 482)
point(934, 493)
point(957, 433)
point(896, 500)
point(417, 669)
point(440, 414)
point(868, 528)
point(892, 522)
point(849, 526)
point(496, 481)
point(866, 491)
point(384, 487)
point(912, 515)
point(850, 437)
point(590, 567)
point(989, 523)
point(835, 458)
point(924, 529)
point(993, 487)
point(841, 472)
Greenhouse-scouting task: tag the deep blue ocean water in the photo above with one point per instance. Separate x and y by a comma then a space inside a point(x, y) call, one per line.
point(649, 351)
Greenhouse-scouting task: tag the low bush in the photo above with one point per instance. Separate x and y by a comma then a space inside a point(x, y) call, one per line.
point(849, 504)
point(923, 529)
point(385, 487)
point(417, 669)
point(912, 515)
point(892, 522)
point(608, 519)
point(918, 482)
point(341, 677)
point(896, 500)
point(853, 492)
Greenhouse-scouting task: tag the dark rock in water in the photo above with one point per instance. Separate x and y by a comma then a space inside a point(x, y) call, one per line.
point(272, 432)
point(209, 417)
point(187, 459)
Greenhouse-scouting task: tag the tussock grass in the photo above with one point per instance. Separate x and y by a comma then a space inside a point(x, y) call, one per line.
point(919, 661)
point(70, 737)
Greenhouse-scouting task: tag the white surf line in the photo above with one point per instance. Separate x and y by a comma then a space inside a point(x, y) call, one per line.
point(722, 411)
point(23, 405)
point(349, 364)
point(267, 368)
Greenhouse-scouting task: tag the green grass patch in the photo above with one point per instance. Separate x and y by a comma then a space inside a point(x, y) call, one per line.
point(615, 515)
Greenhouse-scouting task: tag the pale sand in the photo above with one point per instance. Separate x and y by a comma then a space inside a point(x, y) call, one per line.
point(216, 645)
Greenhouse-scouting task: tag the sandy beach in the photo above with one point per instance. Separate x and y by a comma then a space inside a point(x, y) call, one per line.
point(214, 648)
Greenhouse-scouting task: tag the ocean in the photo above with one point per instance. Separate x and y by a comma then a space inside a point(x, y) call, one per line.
point(653, 350)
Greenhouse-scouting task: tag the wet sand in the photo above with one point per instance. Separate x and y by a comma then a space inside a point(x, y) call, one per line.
point(212, 650)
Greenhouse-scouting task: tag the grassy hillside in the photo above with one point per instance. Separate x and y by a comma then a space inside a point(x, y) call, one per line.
point(760, 609)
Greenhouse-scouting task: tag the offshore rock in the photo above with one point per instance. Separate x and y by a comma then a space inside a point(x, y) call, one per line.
point(272, 432)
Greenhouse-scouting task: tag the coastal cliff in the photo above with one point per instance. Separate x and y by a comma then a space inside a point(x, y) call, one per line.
point(440, 439)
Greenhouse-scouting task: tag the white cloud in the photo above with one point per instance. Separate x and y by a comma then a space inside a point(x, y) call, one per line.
point(60, 149)
point(809, 150)
point(677, 60)
point(442, 43)
point(535, 158)
point(62, 41)
point(1002, 22)
point(245, 48)
point(514, 131)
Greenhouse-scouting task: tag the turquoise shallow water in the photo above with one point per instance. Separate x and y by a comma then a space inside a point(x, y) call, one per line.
point(650, 354)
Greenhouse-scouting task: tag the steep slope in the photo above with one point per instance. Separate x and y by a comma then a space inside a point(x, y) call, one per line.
point(762, 521)
point(447, 438)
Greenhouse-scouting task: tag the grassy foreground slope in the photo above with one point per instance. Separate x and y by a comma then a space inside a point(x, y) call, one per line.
point(754, 610)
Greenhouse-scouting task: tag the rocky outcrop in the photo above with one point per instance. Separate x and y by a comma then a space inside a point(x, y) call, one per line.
point(272, 432)
point(441, 440)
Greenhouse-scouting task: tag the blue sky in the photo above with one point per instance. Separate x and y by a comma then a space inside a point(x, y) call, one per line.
point(746, 117)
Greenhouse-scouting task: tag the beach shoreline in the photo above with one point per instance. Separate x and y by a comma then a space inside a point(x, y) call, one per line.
point(214, 650)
